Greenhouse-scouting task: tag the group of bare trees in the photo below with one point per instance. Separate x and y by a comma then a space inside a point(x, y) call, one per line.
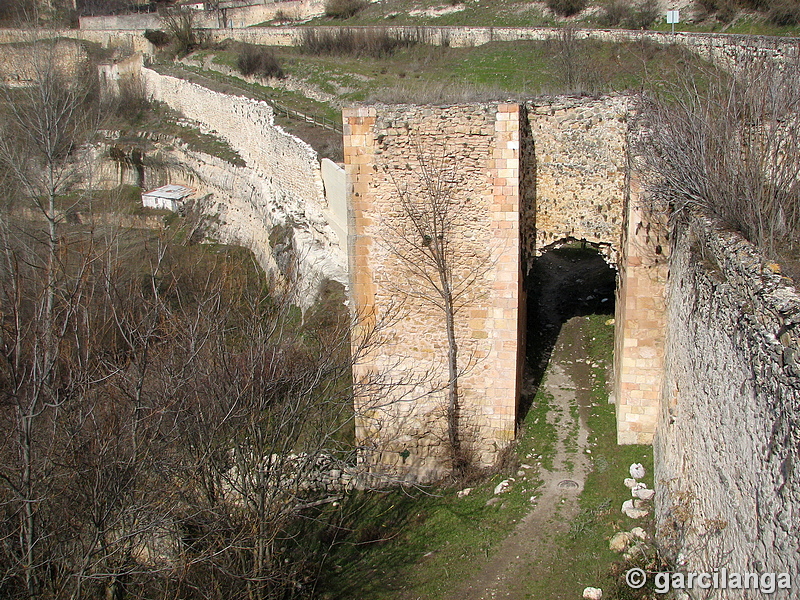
point(165, 412)
point(728, 144)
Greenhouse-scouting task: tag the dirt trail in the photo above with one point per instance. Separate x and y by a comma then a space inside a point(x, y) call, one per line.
point(521, 554)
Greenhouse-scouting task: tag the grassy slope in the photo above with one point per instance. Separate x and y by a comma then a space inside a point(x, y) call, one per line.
point(499, 70)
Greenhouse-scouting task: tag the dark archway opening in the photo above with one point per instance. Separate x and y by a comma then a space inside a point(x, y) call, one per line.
point(567, 281)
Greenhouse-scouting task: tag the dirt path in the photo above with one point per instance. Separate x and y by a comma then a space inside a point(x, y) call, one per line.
point(521, 555)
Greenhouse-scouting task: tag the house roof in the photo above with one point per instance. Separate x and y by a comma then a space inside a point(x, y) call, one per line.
point(171, 192)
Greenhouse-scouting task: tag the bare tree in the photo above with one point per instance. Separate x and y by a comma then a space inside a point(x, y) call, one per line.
point(45, 128)
point(180, 23)
point(729, 146)
point(426, 239)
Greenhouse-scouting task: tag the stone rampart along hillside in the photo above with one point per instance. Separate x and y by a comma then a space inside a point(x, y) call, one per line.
point(728, 438)
point(281, 187)
point(25, 61)
point(234, 17)
point(724, 49)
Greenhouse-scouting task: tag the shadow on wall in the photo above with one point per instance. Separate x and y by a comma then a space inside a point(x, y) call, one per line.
point(570, 281)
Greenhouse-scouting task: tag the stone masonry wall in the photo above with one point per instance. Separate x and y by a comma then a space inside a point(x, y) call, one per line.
point(21, 63)
point(728, 438)
point(725, 49)
point(285, 182)
point(640, 319)
point(580, 153)
point(477, 147)
point(244, 16)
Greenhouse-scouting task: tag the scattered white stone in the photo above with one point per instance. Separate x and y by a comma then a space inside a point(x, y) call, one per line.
point(464, 492)
point(644, 493)
point(635, 552)
point(520, 473)
point(592, 593)
point(502, 486)
point(532, 499)
point(524, 466)
point(637, 470)
point(639, 533)
point(636, 487)
point(629, 483)
point(436, 11)
point(632, 511)
point(619, 541)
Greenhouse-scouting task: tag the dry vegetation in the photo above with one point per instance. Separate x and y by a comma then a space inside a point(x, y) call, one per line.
point(729, 146)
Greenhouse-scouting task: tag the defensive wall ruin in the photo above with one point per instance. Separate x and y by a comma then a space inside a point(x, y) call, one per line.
point(526, 178)
point(723, 49)
point(728, 433)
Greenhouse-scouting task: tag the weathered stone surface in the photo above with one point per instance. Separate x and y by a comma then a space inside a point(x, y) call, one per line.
point(728, 436)
point(384, 148)
point(281, 185)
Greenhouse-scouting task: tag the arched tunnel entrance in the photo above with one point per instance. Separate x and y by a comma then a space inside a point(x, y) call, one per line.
point(570, 279)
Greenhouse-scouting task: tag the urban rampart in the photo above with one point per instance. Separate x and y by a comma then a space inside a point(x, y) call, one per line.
point(282, 180)
point(709, 366)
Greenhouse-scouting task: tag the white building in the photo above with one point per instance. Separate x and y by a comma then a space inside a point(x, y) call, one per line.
point(168, 197)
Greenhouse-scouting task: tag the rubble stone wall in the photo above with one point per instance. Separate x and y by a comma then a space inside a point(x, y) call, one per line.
point(285, 182)
point(728, 438)
point(580, 153)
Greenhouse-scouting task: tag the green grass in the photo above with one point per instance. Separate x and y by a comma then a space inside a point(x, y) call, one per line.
point(583, 557)
point(494, 71)
point(538, 436)
point(417, 542)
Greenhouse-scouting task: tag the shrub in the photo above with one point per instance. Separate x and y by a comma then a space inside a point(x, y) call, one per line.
point(259, 60)
point(784, 13)
point(158, 38)
point(643, 15)
point(731, 149)
point(352, 42)
point(566, 8)
point(615, 12)
point(344, 9)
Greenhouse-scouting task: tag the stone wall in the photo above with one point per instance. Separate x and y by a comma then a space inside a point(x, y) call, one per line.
point(640, 319)
point(284, 184)
point(725, 49)
point(728, 437)
point(335, 182)
point(474, 152)
point(236, 17)
point(21, 63)
point(580, 153)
